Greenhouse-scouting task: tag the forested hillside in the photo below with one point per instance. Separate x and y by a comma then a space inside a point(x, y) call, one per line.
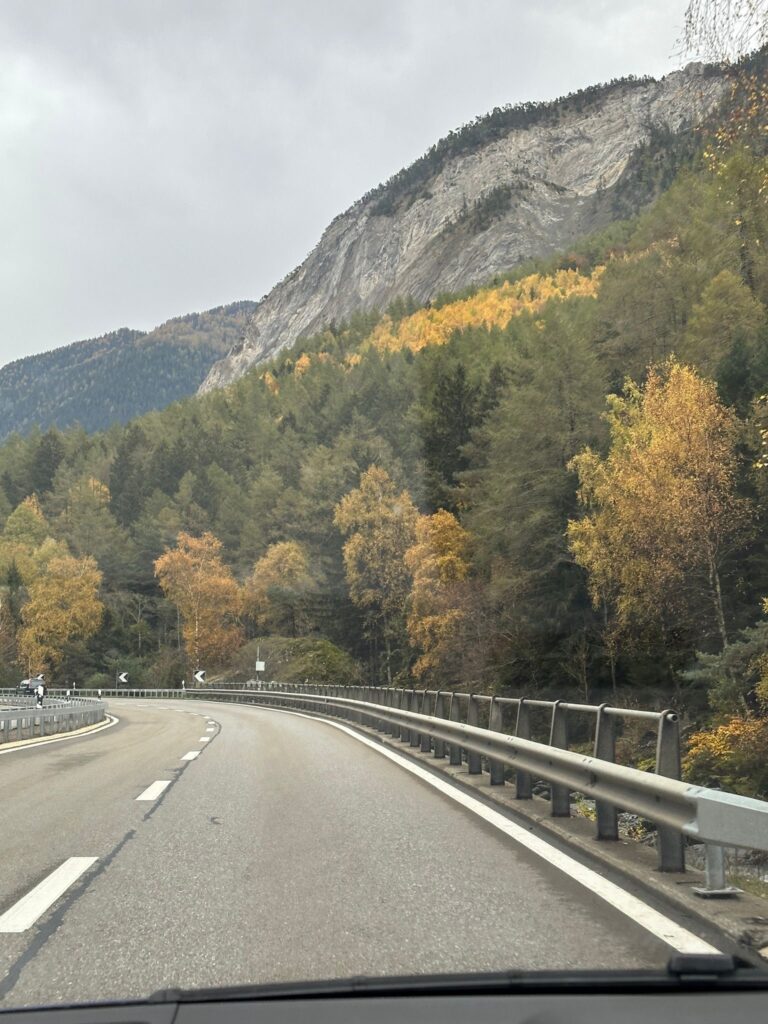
point(118, 376)
point(556, 484)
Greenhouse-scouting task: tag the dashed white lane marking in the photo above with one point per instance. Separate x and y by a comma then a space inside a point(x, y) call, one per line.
point(153, 792)
point(191, 755)
point(111, 720)
point(211, 728)
point(204, 739)
point(29, 908)
point(632, 906)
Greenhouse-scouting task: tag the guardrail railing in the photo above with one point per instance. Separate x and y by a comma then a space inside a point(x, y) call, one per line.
point(21, 723)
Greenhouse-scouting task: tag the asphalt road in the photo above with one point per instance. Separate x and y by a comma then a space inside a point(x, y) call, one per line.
point(285, 850)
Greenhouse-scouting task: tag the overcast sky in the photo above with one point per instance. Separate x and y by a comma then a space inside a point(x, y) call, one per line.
point(159, 157)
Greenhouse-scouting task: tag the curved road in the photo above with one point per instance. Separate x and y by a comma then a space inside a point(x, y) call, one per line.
point(285, 850)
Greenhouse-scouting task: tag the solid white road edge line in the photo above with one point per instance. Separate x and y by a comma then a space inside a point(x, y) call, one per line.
point(653, 921)
point(191, 755)
point(153, 792)
point(29, 908)
point(112, 720)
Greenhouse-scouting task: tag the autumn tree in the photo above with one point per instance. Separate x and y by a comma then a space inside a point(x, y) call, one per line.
point(380, 526)
point(662, 511)
point(63, 606)
point(440, 597)
point(279, 588)
point(194, 577)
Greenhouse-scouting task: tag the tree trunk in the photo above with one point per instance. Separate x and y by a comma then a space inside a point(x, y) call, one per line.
point(717, 600)
point(610, 646)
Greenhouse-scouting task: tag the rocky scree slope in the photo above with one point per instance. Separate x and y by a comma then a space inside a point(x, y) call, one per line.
point(520, 183)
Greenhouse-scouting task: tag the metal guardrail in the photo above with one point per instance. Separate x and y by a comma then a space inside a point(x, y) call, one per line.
point(678, 809)
point(56, 716)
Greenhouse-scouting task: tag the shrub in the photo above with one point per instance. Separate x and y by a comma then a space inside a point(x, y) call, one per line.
point(733, 756)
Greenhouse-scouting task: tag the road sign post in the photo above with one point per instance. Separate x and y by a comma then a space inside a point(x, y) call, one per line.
point(258, 665)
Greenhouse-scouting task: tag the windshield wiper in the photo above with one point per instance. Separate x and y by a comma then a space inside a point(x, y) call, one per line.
point(684, 972)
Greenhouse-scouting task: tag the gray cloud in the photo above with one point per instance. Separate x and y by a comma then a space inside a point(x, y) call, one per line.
point(164, 156)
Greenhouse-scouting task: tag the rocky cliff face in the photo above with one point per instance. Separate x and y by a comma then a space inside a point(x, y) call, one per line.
point(468, 214)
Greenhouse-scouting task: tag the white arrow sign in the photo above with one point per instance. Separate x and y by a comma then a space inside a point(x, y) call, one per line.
point(123, 677)
point(200, 675)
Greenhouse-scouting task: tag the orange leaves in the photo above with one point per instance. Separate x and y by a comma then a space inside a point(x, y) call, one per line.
point(195, 579)
point(490, 307)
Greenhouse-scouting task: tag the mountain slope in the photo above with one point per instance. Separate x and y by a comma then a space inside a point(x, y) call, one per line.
point(119, 375)
point(520, 182)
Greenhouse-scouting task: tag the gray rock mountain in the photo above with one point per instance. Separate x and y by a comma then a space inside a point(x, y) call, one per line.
point(518, 183)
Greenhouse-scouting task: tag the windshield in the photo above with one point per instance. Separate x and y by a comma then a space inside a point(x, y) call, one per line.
point(399, 608)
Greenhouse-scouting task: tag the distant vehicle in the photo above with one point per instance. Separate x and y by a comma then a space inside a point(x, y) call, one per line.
point(29, 685)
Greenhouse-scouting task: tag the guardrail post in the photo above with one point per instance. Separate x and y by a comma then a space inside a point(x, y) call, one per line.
point(523, 780)
point(426, 739)
point(671, 844)
point(389, 728)
point(454, 750)
point(474, 760)
point(605, 750)
point(558, 737)
point(378, 698)
point(439, 713)
point(495, 724)
point(413, 706)
point(404, 700)
point(716, 881)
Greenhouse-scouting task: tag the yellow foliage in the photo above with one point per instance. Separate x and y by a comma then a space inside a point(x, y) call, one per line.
point(661, 507)
point(195, 579)
point(279, 585)
point(63, 606)
point(303, 363)
point(379, 524)
point(734, 755)
point(271, 383)
point(490, 307)
point(439, 563)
